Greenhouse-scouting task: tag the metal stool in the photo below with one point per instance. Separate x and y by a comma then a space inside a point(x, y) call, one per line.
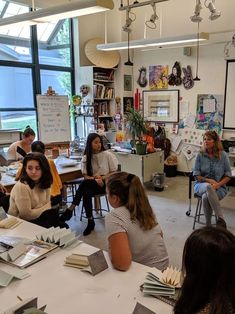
point(198, 212)
point(97, 206)
point(73, 184)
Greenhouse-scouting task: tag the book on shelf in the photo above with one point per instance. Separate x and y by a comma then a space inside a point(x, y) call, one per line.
point(87, 258)
point(22, 252)
point(164, 284)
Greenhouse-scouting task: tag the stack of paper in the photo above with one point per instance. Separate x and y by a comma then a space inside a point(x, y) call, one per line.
point(7, 276)
point(77, 260)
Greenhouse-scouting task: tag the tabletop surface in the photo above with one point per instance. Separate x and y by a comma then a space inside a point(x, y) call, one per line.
point(69, 290)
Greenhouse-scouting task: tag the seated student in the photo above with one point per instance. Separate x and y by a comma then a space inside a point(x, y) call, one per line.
point(132, 229)
point(4, 198)
point(209, 273)
point(212, 171)
point(24, 144)
point(56, 186)
point(30, 196)
point(97, 163)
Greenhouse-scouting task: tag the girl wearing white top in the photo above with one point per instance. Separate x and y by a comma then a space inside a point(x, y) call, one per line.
point(132, 228)
point(96, 165)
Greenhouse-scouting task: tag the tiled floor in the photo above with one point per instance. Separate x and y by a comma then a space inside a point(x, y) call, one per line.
point(170, 207)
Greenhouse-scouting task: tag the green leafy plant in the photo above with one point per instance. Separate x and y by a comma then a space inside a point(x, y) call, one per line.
point(135, 125)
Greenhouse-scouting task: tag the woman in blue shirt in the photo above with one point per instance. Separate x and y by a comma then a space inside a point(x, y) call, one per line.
point(212, 171)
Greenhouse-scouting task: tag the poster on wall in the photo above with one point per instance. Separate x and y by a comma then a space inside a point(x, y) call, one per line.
point(210, 112)
point(158, 77)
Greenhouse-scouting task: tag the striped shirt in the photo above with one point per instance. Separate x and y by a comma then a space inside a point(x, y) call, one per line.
point(147, 246)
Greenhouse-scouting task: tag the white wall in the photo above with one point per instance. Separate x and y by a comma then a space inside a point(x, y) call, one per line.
point(212, 68)
point(174, 21)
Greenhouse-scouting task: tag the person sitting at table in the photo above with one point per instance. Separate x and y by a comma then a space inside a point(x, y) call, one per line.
point(209, 273)
point(24, 145)
point(4, 198)
point(30, 196)
point(132, 228)
point(96, 164)
point(212, 171)
point(56, 186)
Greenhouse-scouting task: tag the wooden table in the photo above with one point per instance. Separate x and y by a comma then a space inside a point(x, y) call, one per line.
point(66, 174)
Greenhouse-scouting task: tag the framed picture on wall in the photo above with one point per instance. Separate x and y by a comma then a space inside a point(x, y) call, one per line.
point(161, 105)
point(128, 102)
point(127, 83)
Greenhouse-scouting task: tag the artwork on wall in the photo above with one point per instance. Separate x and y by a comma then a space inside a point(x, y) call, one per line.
point(142, 79)
point(188, 81)
point(192, 136)
point(127, 83)
point(210, 112)
point(128, 102)
point(161, 105)
point(158, 76)
point(174, 78)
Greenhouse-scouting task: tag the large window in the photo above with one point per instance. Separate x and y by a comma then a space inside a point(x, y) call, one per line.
point(32, 59)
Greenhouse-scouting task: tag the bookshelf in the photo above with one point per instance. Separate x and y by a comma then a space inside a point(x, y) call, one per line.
point(101, 95)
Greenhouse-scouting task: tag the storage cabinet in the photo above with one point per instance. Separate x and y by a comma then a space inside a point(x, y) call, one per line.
point(142, 166)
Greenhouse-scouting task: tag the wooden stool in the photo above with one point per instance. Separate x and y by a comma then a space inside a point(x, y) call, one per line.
point(97, 206)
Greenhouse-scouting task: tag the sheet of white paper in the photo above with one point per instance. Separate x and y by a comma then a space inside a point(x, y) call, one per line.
point(208, 105)
point(184, 108)
point(175, 142)
point(190, 120)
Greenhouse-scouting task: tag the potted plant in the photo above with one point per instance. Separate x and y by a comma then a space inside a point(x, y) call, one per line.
point(136, 127)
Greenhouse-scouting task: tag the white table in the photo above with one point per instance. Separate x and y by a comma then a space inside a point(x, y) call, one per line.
point(68, 290)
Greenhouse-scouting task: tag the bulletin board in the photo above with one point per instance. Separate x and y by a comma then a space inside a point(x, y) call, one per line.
point(229, 99)
point(53, 119)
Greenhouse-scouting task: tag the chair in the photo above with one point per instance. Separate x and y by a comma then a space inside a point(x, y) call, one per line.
point(73, 184)
point(198, 211)
point(97, 206)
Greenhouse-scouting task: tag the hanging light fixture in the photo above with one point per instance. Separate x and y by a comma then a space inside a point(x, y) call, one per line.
point(197, 58)
point(211, 6)
point(67, 10)
point(151, 23)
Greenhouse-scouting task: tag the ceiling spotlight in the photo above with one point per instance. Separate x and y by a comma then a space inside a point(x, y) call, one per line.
point(126, 27)
point(214, 13)
point(151, 23)
point(196, 17)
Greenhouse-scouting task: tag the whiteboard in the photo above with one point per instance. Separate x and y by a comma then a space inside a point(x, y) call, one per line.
point(53, 119)
point(229, 101)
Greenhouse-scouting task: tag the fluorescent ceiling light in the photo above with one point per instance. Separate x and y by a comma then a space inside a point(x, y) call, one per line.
point(70, 9)
point(186, 39)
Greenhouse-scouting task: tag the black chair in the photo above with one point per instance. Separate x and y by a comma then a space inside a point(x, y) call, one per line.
point(73, 184)
point(198, 211)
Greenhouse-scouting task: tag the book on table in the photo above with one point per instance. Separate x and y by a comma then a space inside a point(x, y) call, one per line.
point(7, 222)
point(22, 252)
point(87, 258)
point(163, 286)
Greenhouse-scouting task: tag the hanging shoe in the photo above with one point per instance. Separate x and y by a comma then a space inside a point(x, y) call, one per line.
point(66, 215)
point(90, 227)
point(220, 223)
